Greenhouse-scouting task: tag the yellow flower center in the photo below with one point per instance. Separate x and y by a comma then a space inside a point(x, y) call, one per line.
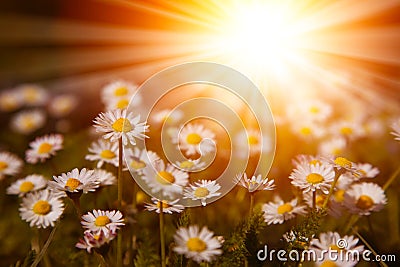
point(315, 162)
point(123, 103)
point(31, 94)
point(319, 201)
point(306, 131)
point(346, 130)
point(252, 140)
point(201, 192)
point(314, 178)
point(335, 247)
point(329, 263)
point(121, 91)
point(165, 178)
point(102, 221)
point(3, 165)
point(122, 125)
point(72, 184)
point(364, 202)
point(339, 195)
point(196, 244)
point(343, 162)
point(44, 148)
point(164, 204)
point(107, 154)
point(314, 110)
point(193, 139)
point(138, 164)
point(26, 186)
point(285, 208)
point(42, 207)
point(186, 164)
point(28, 123)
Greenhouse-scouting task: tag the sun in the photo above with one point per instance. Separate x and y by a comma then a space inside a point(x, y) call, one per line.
point(260, 35)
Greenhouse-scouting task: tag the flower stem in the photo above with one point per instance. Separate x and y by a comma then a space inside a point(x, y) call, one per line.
point(162, 237)
point(102, 261)
point(46, 246)
point(251, 204)
point(314, 199)
point(119, 181)
point(391, 179)
point(326, 201)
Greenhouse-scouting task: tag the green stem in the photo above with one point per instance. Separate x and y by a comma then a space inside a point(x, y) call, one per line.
point(46, 246)
point(119, 181)
point(314, 199)
point(391, 179)
point(162, 237)
point(251, 204)
point(326, 201)
point(381, 263)
point(353, 219)
point(101, 259)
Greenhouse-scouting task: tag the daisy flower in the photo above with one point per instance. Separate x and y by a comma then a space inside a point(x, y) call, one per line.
point(168, 206)
point(302, 159)
point(167, 116)
point(118, 103)
point(191, 136)
point(340, 244)
point(313, 177)
point(41, 208)
point(364, 198)
point(33, 95)
point(366, 170)
point(26, 185)
point(75, 181)
point(335, 146)
point(28, 121)
point(279, 211)
point(334, 207)
point(202, 190)
point(137, 159)
point(102, 221)
point(119, 90)
point(44, 147)
point(103, 151)
point(342, 164)
point(350, 130)
point(10, 164)
point(118, 124)
point(255, 183)
point(62, 105)
point(253, 141)
point(93, 240)
point(396, 130)
point(307, 130)
point(10, 100)
point(312, 110)
point(167, 179)
point(105, 177)
point(191, 165)
point(198, 246)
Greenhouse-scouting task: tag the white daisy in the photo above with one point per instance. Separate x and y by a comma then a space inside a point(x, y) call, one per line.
point(311, 177)
point(255, 183)
point(103, 151)
point(167, 179)
point(28, 121)
point(253, 141)
point(33, 95)
point(26, 185)
point(364, 198)
point(311, 110)
point(10, 100)
point(396, 130)
point(137, 159)
point(167, 116)
point(119, 90)
point(191, 165)
point(118, 103)
point(104, 177)
point(366, 170)
point(350, 130)
point(198, 246)
point(334, 207)
point(342, 164)
point(102, 221)
point(335, 146)
point(340, 244)
point(44, 147)
point(95, 240)
point(303, 159)
point(62, 105)
point(168, 206)
point(191, 136)
point(117, 123)
point(10, 164)
point(75, 181)
point(279, 211)
point(202, 190)
point(307, 130)
point(41, 208)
